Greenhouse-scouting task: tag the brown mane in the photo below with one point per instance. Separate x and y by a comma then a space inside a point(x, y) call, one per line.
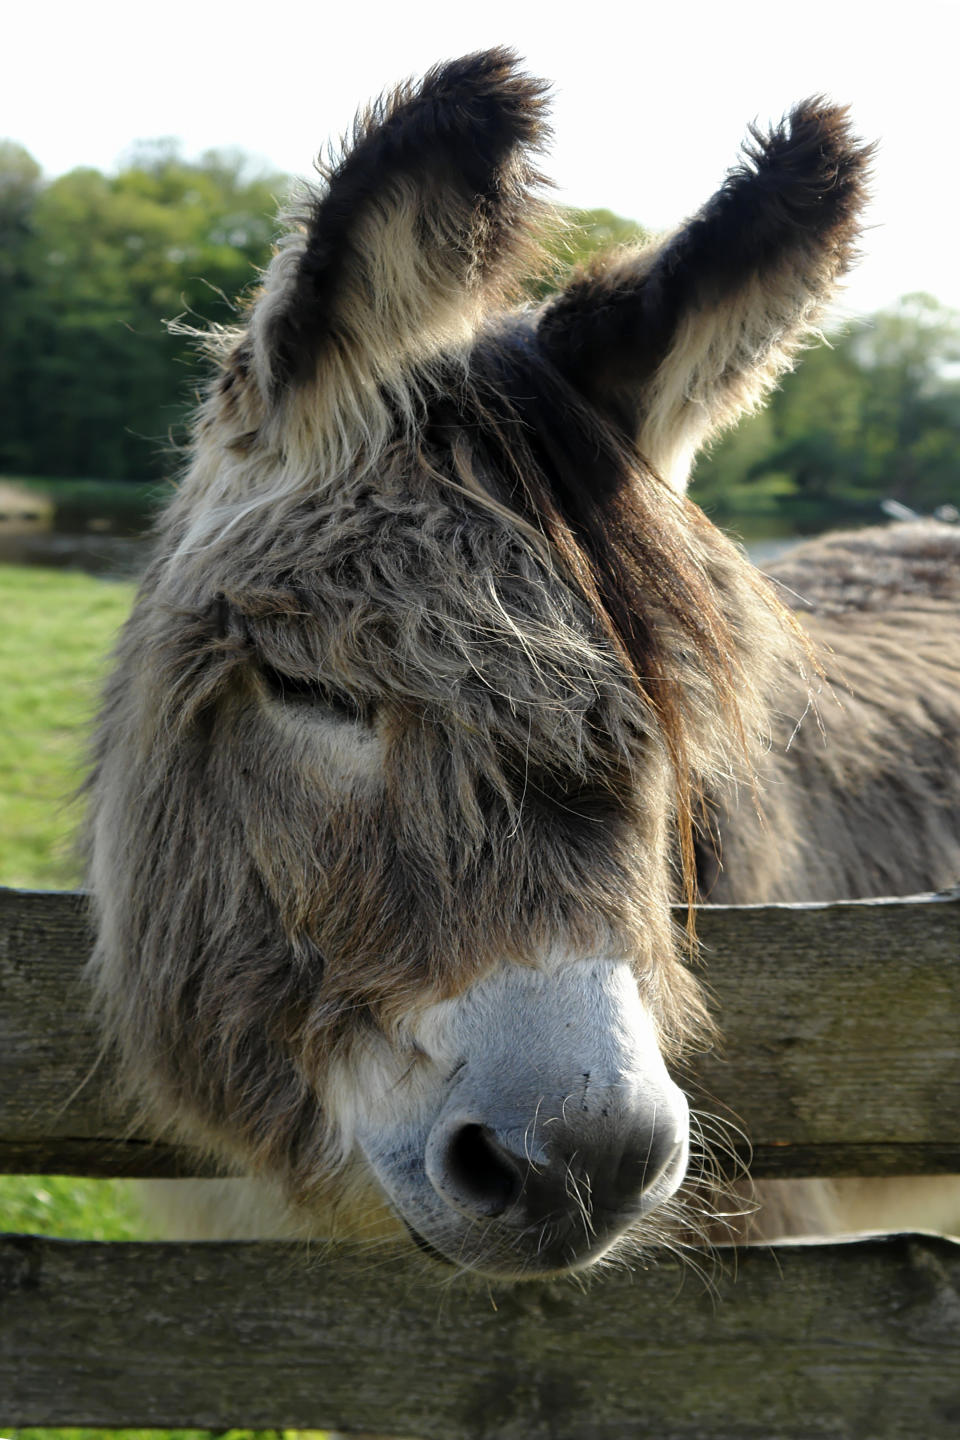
point(642, 557)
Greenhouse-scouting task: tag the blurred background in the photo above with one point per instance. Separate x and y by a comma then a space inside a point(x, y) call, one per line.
point(146, 152)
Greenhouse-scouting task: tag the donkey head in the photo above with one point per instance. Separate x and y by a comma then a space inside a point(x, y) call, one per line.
point(397, 767)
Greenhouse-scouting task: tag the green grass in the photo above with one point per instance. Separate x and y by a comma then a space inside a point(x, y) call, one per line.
point(57, 630)
point(70, 1209)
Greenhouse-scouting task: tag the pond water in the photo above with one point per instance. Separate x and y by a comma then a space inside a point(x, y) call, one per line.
point(113, 557)
point(94, 526)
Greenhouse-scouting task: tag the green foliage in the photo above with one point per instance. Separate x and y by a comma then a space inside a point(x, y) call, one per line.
point(93, 383)
point(874, 415)
point(94, 266)
point(576, 238)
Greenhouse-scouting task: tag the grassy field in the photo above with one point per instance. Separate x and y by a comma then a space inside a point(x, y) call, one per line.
point(58, 628)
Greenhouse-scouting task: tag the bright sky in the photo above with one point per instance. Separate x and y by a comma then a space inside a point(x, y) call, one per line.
point(650, 102)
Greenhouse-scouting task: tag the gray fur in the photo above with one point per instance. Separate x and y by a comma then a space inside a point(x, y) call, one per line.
point(425, 678)
point(863, 799)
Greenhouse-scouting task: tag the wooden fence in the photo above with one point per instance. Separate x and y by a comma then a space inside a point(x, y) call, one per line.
point(841, 1057)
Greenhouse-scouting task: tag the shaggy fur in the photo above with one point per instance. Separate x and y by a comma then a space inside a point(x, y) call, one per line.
point(433, 659)
point(864, 801)
point(677, 341)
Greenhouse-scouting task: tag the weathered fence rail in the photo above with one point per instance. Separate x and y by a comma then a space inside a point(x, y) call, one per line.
point(842, 1056)
point(855, 1341)
point(841, 1050)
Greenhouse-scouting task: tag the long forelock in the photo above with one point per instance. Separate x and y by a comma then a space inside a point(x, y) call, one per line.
point(700, 633)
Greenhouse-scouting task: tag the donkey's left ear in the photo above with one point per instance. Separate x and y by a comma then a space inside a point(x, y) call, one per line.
point(426, 211)
point(675, 341)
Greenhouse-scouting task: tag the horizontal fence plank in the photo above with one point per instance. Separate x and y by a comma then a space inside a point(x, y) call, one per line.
point(815, 1341)
point(841, 1052)
point(841, 1033)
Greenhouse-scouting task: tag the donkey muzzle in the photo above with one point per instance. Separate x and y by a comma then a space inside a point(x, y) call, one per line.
point(556, 1129)
point(597, 1170)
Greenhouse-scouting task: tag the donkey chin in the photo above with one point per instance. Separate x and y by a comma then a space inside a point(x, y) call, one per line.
point(535, 1126)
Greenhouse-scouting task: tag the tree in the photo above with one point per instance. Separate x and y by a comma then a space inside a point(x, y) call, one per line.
point(874, 415)
point(573, 239)
point(94, 382)
point(20, 182)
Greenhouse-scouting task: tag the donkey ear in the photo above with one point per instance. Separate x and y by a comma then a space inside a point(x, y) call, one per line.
point(677, 340)
point(427, 209)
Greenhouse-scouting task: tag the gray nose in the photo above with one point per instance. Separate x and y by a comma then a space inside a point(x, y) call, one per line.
point(557, 1127)
point(606, 1166)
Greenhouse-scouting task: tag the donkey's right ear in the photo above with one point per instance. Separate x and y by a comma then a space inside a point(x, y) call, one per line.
point(677, 340)
point(427, 209)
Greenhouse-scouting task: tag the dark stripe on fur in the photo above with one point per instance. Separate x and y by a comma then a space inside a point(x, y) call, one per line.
point(567, 473)
point(451, 138)
point(796, 197)
point(629, 547)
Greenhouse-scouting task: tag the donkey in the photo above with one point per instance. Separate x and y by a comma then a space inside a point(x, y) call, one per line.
point(402, 760)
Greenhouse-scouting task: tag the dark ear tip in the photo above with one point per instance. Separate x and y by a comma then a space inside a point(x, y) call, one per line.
point(814, 162)
point(834, 127)
point(821, 112)
point(494, 90)
point(816, 132)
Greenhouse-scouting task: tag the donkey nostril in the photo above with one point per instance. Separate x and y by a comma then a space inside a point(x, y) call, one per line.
point(480, 1172)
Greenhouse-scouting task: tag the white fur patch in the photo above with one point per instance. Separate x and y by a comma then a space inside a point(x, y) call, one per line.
point(348, 751)
point(578, 1016)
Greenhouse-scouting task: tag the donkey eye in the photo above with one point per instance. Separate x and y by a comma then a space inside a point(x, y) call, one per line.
point(302, 691)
